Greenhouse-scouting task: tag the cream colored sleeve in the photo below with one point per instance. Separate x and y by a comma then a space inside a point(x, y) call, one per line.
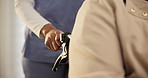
point(94, 48)
point(31, 18)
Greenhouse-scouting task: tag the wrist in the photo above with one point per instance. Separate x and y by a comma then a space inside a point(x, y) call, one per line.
point(46, 28)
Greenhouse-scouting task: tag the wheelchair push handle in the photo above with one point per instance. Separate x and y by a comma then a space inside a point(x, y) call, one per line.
point(63, 57)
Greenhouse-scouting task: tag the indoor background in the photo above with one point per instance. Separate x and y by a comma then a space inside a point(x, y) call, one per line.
point(11, 41)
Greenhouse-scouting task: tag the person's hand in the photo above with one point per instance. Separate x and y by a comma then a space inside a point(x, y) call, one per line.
point(52, 37)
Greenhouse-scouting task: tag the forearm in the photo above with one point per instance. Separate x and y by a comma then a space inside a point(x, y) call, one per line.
point(31, 18)
point(39, 25)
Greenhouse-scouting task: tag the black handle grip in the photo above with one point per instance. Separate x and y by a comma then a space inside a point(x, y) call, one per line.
point(63, 57)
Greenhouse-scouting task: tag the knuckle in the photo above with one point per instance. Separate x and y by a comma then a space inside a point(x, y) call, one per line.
point(46, 43)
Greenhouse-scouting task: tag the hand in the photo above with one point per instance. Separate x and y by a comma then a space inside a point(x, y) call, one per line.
point(52, 37)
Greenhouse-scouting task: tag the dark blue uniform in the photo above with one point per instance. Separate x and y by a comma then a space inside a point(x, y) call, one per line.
point(38, 60)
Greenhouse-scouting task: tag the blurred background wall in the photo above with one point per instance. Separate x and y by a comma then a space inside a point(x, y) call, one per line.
point(11, 41)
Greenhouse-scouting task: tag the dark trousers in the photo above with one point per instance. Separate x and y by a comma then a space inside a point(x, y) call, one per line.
point(34, 69)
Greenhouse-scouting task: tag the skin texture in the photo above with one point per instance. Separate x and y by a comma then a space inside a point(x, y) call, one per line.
point(52, 37)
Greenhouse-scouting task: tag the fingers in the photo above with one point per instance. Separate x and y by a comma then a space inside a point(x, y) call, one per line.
point(48, 43)
point(52, 40)
point(54, 44)
point(57, 39)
